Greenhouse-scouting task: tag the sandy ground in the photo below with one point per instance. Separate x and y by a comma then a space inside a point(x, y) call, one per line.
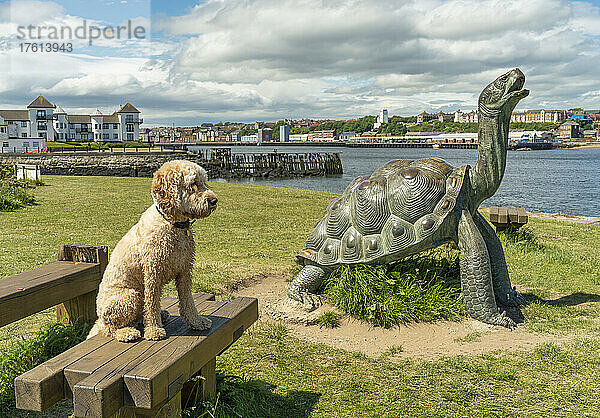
point(422, 340)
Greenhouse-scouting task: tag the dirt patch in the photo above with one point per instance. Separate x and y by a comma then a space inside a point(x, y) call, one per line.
point(421, 340)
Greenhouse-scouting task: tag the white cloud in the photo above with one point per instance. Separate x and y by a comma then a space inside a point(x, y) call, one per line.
point(267, 59)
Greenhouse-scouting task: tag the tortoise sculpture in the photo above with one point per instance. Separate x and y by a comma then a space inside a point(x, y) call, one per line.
point(405, 207)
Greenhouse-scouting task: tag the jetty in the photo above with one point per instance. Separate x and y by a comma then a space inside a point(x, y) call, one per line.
point(277, 164)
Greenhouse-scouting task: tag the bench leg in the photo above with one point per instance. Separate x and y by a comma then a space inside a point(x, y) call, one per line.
point(171, 408)
point(201, 389)
point(81, 308)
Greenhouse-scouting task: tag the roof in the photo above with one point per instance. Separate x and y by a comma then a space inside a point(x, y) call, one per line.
point(41, 102)
point(569, 122)
point(15, 114)
point(114, 118)
point(96, 112)
point(79, 118)
point(59, 111)
point(128, 108)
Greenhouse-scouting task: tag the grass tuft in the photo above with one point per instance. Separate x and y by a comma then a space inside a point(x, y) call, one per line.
point(423, 287)
point(523, 238)
point(25, 354)
point(329, 319)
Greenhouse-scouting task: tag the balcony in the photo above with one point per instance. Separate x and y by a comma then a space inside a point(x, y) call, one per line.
point(140, 120)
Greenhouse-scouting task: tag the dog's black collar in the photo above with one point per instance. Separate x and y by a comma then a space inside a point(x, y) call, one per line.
point(187, 224)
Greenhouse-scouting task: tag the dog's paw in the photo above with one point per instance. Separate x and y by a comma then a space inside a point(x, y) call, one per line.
point(154, 333)
point(200, 323)
point(127, 334)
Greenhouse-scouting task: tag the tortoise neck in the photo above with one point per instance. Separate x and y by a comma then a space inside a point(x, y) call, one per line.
point(487, 174)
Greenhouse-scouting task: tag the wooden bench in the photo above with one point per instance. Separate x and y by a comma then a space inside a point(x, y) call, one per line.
point(145, 378)
point(71, 282)
point(102, 376)
point(507, 217)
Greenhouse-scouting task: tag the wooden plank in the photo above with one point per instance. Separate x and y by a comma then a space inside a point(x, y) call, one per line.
point(101, 393)
point(58, 282)
point(148, 383)
point(83, 307)
point(43, 386)
point(522, 216)
point(502, 215)
point(494, 214)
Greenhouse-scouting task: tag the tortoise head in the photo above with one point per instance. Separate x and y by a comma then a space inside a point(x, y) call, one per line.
point(502, 95)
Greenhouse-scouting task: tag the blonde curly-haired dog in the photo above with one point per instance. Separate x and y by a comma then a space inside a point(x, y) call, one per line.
point(156, 250)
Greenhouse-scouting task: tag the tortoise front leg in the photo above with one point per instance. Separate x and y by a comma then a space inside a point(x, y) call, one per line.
point(506, 295)
point(476, 275)
point(305, 285)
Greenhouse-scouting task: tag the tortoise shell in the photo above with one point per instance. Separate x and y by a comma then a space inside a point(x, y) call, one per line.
point(393, 213)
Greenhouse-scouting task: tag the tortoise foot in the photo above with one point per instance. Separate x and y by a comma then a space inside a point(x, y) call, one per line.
point(310, 301)
point(501, 319)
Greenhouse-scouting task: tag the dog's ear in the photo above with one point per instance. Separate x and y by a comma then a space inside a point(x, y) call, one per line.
point(165, 191)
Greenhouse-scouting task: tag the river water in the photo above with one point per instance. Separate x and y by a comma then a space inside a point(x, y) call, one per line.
point(556, 181)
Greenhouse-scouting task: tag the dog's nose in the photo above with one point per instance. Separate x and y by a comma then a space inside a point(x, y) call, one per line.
point(213, 201)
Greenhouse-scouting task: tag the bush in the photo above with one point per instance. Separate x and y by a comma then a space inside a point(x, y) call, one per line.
point(25, 354)
point(423, 287)
point(14, 194)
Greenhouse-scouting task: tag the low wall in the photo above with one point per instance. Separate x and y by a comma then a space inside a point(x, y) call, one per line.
point(146, 163)
point(107, 164)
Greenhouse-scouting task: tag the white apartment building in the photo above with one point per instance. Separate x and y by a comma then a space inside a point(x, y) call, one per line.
point(45, 120)
point(381, 118)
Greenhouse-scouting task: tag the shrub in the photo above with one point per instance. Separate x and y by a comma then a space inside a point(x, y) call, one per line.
point(14, 194)
point(423, 287)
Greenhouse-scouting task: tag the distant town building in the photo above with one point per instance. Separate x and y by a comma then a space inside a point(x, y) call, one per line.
point(298, 137)
point(569, 129)
point(265, 135)
point(539, 115)
point(381, 118)
point(347, 136)
point(284, 133)
point(43, 119)
point(469, 117)
point(324, 135)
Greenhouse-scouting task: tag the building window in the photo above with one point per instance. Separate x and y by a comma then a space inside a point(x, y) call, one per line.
point(116, 136)
point(97, 126)
point(5, 144)
point(23, 135)
point(43, 134)
point(105, 126)
point(3, 130)
point(41, 114)
point(130, 128)
point(23, 124)
point(130, 137)
point(115, 126)
point(105, 136)
point(25, 144)
point(36, 144)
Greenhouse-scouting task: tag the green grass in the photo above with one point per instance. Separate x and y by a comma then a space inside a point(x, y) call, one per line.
point(423, 287)
point(24, 354)
point(268, 372)
point(329, 319)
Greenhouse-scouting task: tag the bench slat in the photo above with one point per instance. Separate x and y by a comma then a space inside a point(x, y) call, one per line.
point(43, 386)
point(33, 291)
point(99, 392)
point(150, 382)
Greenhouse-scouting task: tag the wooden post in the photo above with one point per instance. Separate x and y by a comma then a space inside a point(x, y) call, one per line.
point(202, 389)
point(81, 308)
point(170, 409)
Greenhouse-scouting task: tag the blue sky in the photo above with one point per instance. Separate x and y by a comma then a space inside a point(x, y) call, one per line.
point(245, 60)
